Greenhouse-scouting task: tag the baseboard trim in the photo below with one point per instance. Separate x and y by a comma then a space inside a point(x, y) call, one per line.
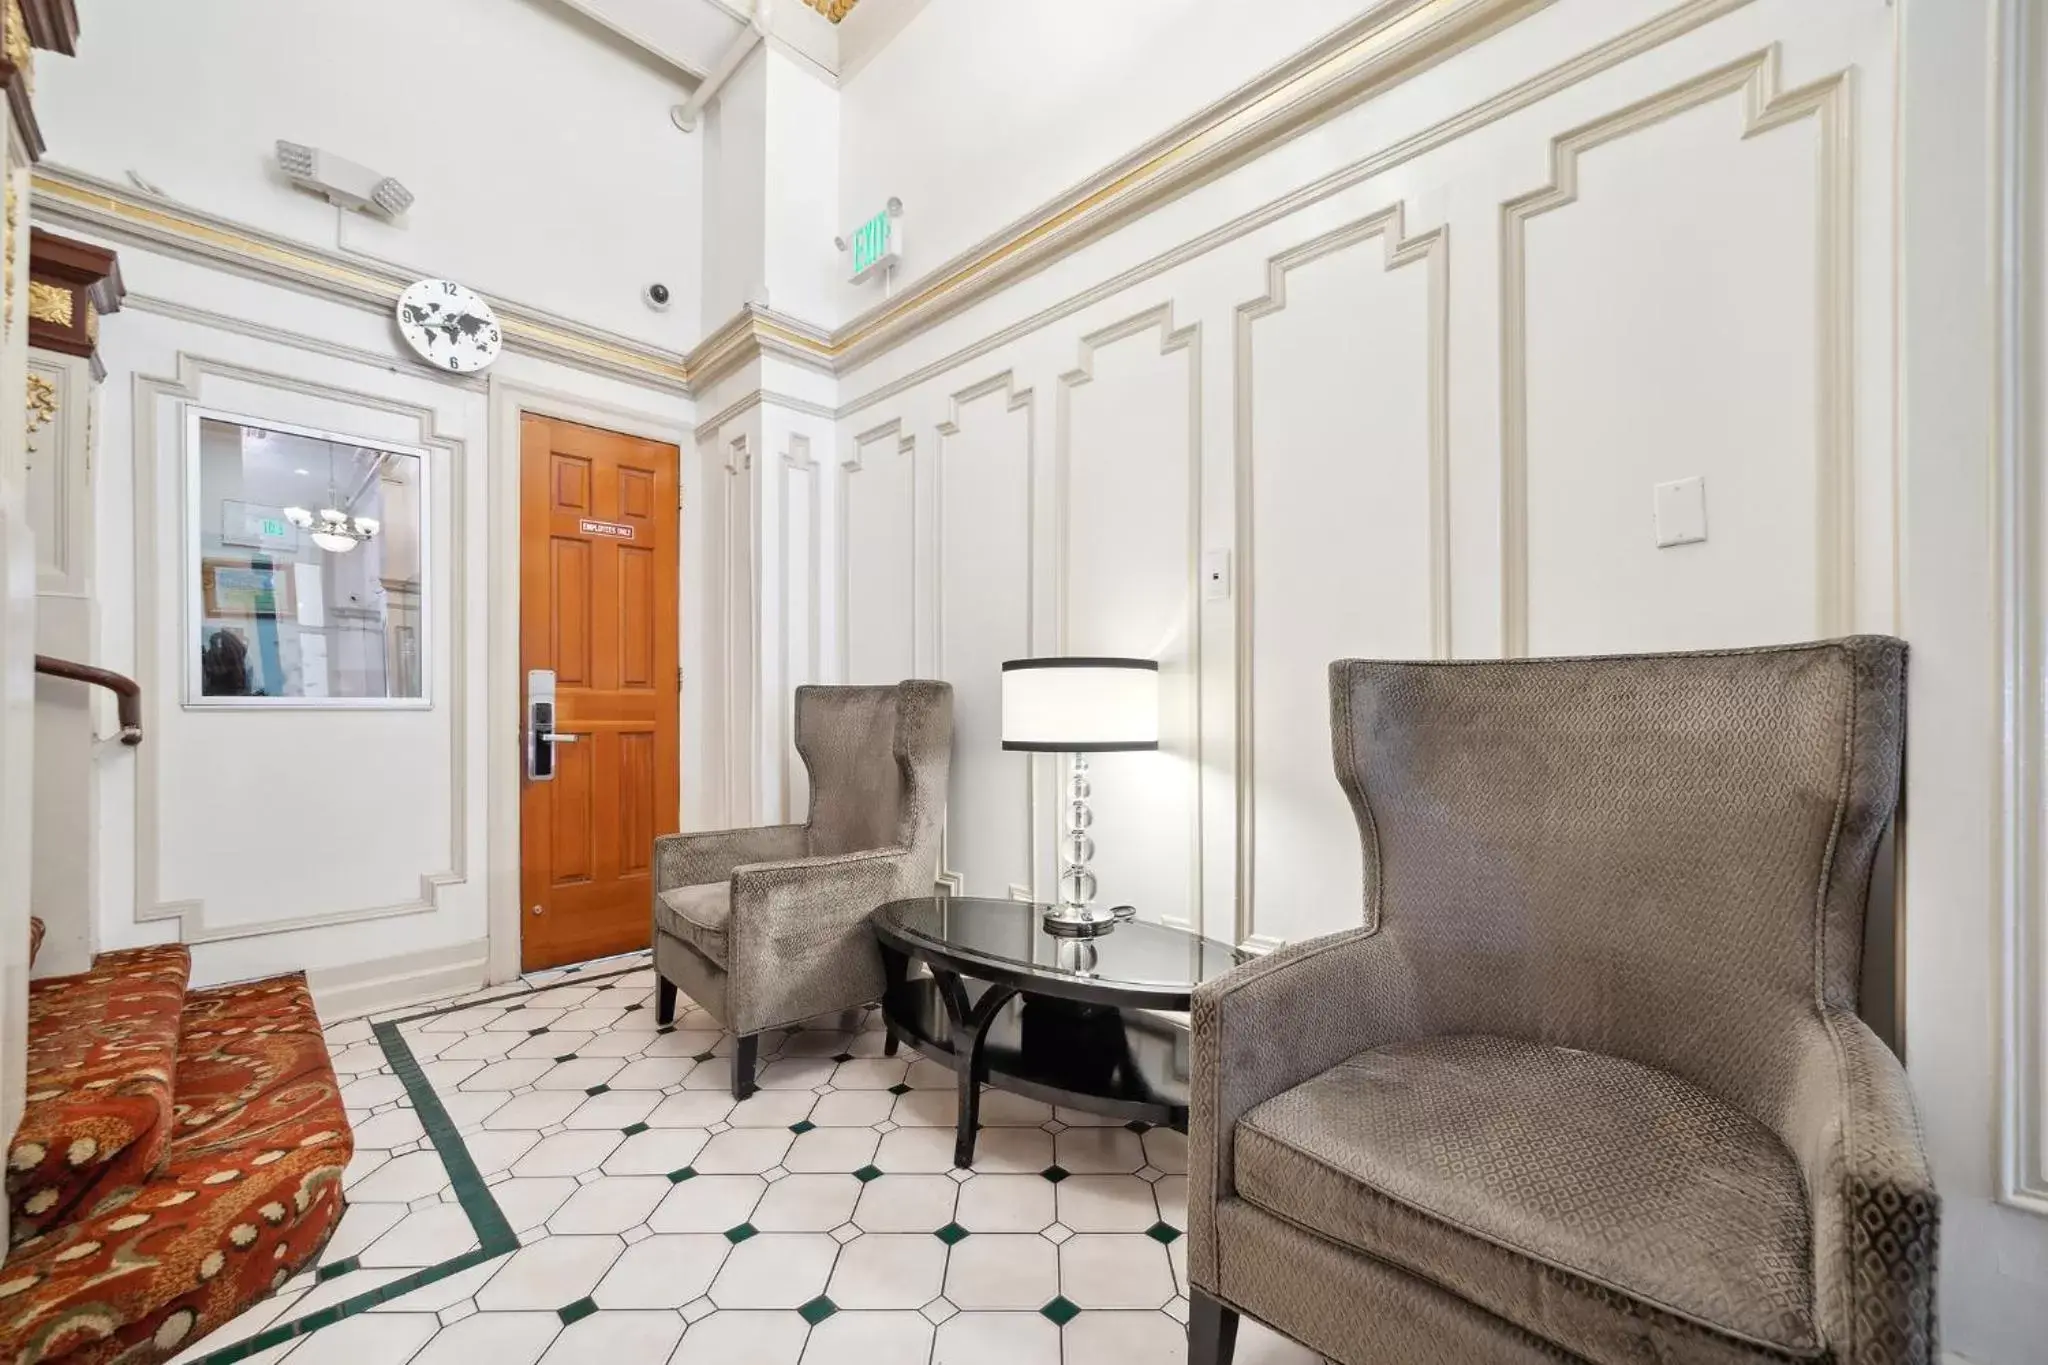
point(391, 982)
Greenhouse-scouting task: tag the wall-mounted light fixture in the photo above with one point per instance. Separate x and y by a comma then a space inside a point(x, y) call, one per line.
point(342, 181)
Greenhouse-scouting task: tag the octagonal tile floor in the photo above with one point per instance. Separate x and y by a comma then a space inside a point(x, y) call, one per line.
point(572, 1182)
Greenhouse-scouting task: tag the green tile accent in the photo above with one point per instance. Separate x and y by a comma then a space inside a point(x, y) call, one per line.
point(666, 1029)
point(494, 1235)
point(1061, 1310)
point(537, 1032)
point(629, 1008)
point(340, 1267)
point(598, 1090)
point(817, 1310)
point(802, 1126)
point(702, 1057)
point(951, 1233)
point(740, 1233)
point(566, 1057)
point(1139, 1126)
point(843, 1057)
point(867, 1173)
point(634, 1130)
point(1166, 1234)
point(899, 1089)
point(577, 1311)
point(1054, 1173)
point(678, 1177)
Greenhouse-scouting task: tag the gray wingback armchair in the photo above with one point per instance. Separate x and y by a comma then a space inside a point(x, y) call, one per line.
point(1589, 1083)
point(765, 927)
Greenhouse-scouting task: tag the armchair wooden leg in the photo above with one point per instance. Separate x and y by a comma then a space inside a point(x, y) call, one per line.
point(890, 1042)
point(745, 1049)
point(1212, 1330)
point(664, 1001)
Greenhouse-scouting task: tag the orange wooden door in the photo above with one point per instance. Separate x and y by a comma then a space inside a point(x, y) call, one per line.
point(597, 604)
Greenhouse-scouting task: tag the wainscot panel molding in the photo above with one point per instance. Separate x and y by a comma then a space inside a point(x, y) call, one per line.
point(1372, 497)
point(159, 463)
point(879, 598)
point(1127, 505)
point(1766, 107)
point(800, 531)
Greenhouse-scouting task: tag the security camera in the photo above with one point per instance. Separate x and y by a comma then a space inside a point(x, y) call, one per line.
point(656, 296)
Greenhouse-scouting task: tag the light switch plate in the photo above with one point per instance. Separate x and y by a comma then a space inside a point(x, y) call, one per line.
point(1681, 511)
point(1215, 574)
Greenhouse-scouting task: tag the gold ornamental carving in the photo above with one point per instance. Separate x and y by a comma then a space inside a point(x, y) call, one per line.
point(20, 54)
point(835, 10)
point(49, 303)
point(92, 323)
point(42, 406)
point(7, 250)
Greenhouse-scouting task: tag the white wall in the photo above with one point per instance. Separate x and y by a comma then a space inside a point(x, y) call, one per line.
point(544, 164)
point(976, 113)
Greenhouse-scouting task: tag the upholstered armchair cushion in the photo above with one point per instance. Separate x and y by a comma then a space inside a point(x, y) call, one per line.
point(773, 921)
point(1651, 872)
point(1550, 1186)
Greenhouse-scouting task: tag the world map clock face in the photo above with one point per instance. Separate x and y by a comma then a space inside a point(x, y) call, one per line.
point(448, 326)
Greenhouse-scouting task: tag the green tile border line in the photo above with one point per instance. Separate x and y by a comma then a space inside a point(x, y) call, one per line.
point(487, 1221)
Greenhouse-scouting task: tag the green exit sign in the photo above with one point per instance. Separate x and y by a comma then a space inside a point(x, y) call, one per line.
point(877, 244)
point(273, 528)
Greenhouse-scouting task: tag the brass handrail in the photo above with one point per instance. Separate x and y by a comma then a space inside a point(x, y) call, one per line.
point(127, 692)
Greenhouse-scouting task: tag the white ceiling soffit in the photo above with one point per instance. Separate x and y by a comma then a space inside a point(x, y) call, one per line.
point(689, 35)
point(869, 27)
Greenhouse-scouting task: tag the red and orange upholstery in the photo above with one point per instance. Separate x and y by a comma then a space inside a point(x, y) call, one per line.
point(251, 1139)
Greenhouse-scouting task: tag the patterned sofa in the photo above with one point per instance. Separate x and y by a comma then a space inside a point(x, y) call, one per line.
point(179, 1158)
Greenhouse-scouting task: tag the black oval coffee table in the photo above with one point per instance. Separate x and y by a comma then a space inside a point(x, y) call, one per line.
point(1013, 1006)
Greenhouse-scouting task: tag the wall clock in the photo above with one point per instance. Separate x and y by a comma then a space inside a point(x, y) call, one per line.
point(448, 326)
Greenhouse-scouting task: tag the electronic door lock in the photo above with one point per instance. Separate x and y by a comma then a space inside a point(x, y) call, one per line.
point(540, 725)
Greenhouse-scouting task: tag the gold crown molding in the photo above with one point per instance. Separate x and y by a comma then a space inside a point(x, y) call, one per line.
point(85, 203)
point(835, 10)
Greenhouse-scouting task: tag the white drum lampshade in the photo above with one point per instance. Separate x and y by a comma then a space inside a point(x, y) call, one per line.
point(1080, 705)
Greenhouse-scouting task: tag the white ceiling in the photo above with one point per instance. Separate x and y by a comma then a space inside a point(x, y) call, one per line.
point(686, 34)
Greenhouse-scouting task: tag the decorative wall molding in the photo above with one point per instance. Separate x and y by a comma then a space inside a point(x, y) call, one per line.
point(256, 331)
point(1398, 249)
point(1756, 79)
point(740, 638)
point(2020, 87)
point(1603, 57)
point(1188, 341)
point(1015, 400)
point(150, 392)
point(85, 203)
point(906, 446)
point(1389, 44)
point(388, 983)
point(798, 468)
point(708, 427)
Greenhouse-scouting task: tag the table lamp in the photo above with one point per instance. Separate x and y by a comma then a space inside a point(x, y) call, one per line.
point(1080, 706)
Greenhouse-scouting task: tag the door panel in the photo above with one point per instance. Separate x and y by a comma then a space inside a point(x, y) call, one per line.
point(597, 604)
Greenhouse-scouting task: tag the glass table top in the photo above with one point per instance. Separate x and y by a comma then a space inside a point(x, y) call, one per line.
point(1006, 935)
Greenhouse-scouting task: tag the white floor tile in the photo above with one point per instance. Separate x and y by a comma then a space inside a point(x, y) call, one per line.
point(852, 1108)
point(795, 1073)
point(594, 1017)
point(1260, 1345)
point(580, 1074)
point(529, 1201)
point(806, 1203)
point(691, 1109)
point(906, 1203)
point(663, 1272)
point(622, 1338)
point(709, 1203)
point(868, 1339)
point(361, 1225)
point(1172, 1193)
point(869, 1073)
point(1167, 1150)
point(1106, 1203)
point(425, 1238)
point(487, 1046)
point(277, 1308)
point(615, 1109)
point(393, 1128)
point(1013, 1151)
point(916, 1149)
point(656, 1151)
point(997, 1339)
point(1003, 1270)
point(743, 1151)
point(550, 1273)
point(541, 1109)
point(612, 1203)
point(367, 1336)
point(753, 1338)
point(567, 1153)
point(493, 1338)
point(775, 1270)
point(1006, 1203)
point(1125, 1339)
point(1115, 1270)
point(832, 1149)
point(1099, 1151)
point(444, 1293)
point(888, 1270)
point(495, 1152)
point(772, 1109)
point(652, 1073)
point(403, 1179)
